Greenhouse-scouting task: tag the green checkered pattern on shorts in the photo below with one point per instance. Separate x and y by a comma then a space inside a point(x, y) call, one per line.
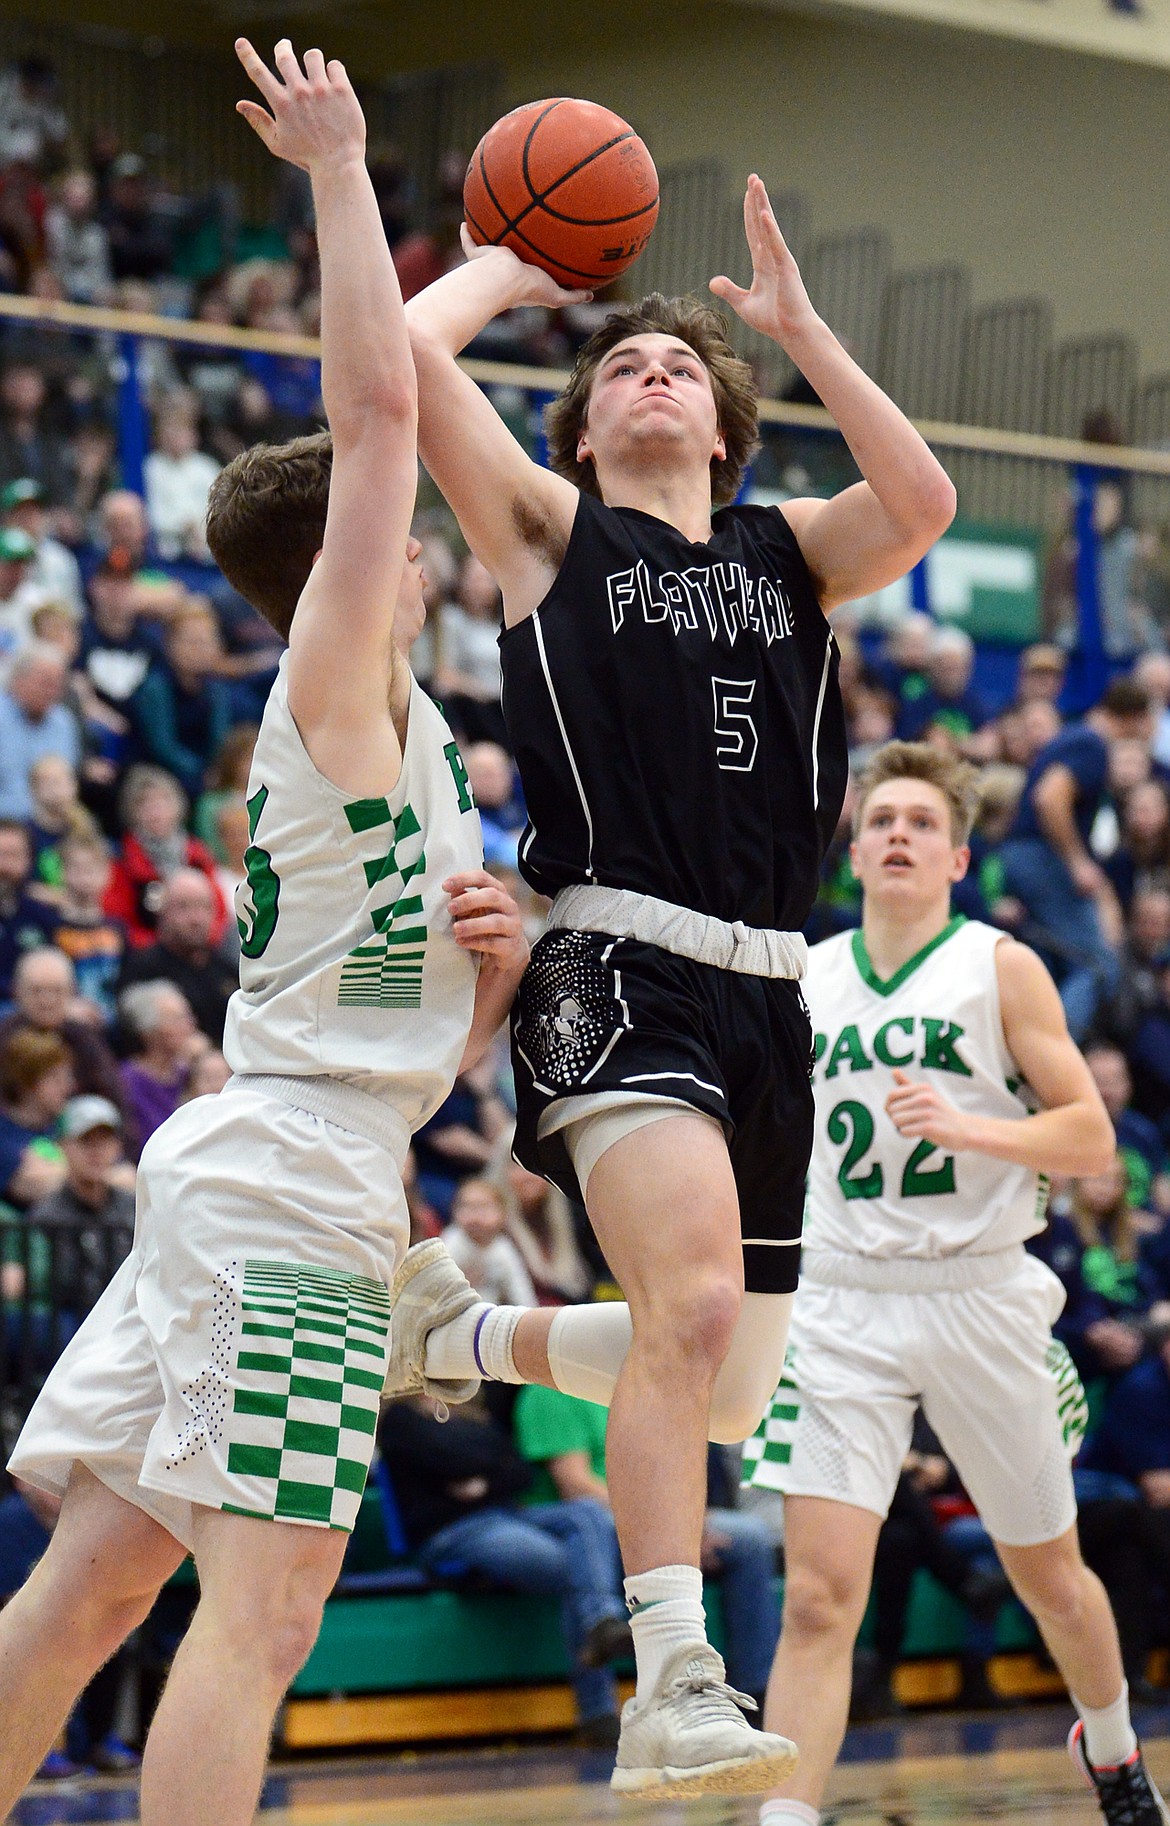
point(309, 1370)
point(770, 1446)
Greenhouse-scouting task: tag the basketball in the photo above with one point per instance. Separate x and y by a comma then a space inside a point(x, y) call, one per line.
point(568, 186)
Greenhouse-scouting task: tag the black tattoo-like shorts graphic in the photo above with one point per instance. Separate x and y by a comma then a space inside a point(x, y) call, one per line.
point(596, 1014)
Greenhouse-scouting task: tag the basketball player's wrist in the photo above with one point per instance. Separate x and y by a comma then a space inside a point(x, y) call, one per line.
point(802, 335)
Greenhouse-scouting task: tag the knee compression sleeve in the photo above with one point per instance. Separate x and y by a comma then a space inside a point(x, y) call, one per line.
point(587, 1346)
point(752, 1368)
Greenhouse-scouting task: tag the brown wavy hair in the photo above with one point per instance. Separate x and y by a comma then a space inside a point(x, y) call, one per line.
point(732, 383)
point(956, 780)
point(266, 522)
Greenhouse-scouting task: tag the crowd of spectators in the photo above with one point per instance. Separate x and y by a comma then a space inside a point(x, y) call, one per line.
point(132, 682)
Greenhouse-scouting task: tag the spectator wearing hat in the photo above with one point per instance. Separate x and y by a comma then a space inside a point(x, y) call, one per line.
point(91, 1213)
point(34, 721)
point(54, 570)
point(25, 922)
point(184, 953)
point(20, 594)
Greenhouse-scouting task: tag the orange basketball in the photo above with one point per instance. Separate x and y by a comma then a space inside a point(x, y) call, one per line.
point(568, 186)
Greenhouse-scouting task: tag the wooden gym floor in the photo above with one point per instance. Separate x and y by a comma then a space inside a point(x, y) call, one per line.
point(1010, 1768)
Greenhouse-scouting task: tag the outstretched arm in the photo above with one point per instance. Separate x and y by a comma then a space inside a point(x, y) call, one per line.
point(339, 650)
point(1071, 1134)
point(515, 515)
point(868, 535)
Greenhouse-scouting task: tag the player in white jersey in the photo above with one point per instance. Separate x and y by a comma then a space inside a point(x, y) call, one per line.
point(223, 1395)
point(946, 1086)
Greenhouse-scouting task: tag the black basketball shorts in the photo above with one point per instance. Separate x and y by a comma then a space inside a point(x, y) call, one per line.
point(600, 1014)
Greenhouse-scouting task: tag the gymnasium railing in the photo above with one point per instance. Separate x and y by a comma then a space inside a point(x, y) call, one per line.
point(1025, 483)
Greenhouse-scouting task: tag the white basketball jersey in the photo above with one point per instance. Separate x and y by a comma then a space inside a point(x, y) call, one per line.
point(348, 961)
point(870, 1191)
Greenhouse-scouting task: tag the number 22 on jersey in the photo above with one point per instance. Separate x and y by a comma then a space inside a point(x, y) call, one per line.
point(851, 1124)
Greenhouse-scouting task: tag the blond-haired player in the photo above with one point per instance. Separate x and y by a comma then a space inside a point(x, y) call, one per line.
point(946, 1087)
point(222, 1397)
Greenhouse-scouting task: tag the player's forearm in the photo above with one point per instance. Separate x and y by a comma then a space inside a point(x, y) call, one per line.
point(1073, 1141)
point(495, 991)
point(366, 365)
point(449, 314)
point(908, 480)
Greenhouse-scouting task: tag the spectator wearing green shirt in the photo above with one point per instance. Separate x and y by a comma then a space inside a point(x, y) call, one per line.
point(564, 1438)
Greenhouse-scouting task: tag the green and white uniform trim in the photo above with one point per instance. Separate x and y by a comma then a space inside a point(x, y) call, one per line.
point(937, 1020)
point(349, 965)
point(309, 1370)
point(915, 1286)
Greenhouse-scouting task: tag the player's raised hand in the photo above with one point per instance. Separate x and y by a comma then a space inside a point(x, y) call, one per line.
point(532, 284)
point(776, 303)
point(919, 1110)
point(313, 116)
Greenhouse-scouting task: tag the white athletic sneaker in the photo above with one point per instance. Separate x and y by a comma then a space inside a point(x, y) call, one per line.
point(427, 1291)
point(691, 1737)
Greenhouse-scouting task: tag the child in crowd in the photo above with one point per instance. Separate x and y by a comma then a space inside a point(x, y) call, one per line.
point(90, 938)
point(490, 1259)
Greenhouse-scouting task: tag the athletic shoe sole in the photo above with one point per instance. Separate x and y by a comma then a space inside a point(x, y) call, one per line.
point(739, 1775)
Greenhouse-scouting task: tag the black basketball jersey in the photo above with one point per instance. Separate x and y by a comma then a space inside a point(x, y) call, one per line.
point(676, 718)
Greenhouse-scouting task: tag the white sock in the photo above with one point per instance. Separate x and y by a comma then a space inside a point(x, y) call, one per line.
point(477, 1343)
point(666, 1612)
point(1109, 1735)
point(775, 1813)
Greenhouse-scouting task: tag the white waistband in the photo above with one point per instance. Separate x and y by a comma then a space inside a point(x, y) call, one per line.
point(752, 950)
point(334, 1101)
point(911, 1274)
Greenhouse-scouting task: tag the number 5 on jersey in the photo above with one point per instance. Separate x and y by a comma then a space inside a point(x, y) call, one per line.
point(735, 727)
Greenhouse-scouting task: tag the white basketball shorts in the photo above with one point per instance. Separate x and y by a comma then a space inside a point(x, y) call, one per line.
point(237, 1358)
point(1000, 1392)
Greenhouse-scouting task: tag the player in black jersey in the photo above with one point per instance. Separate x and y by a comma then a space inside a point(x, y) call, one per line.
point(670, 692)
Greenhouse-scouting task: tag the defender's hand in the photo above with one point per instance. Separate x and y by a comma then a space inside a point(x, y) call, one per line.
point(487, 920)
point(777, 303)
point(316, 118)
point(530, 284)
point(918, 1110)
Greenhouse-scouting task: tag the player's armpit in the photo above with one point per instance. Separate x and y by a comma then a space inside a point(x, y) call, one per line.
point(515, 516)
point(852, 546)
